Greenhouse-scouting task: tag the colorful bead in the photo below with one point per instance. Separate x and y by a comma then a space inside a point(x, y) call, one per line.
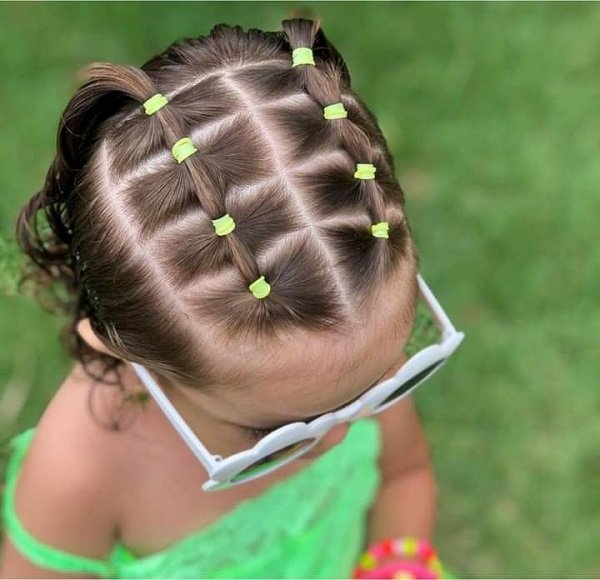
point(410, 546)
point(224, 225)
point(378, 551)
point(403, 575)
point(154, 103)
point(335, 111)
point(183, 149)
point(425, 551)
point(380, 230)
point(260, 288)
point(398, 544)
point(368, 561)
point(302, 55)
point(365, 171)
point(388, 546)
point(436, 566)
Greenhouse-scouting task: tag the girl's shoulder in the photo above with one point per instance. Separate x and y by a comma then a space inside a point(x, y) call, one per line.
point(70, 439)
point(63, 478)
point(67, 432)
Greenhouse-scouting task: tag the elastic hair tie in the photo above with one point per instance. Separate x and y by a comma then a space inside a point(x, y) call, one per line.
point(183, 149)
point(224, 225)
point(365, 171)
point(380, 230)
point(260, 288)
point(302, 55)
point(335, 111)
point(154, 103)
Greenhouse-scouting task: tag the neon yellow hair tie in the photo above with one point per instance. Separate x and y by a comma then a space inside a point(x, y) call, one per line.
point(380, 230)
point(365, 171)
point(302, 55)
point(260, 288)
point(155, 103)
point(183, 149)
point(335, 111)
point(224, 225)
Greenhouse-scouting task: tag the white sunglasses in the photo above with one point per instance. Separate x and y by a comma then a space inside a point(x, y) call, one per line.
point(290, 441)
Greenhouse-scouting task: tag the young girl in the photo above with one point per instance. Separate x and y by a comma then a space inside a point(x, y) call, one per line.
point(227, 219)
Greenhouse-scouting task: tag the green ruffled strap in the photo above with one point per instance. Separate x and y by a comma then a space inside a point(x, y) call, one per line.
point(36, 551)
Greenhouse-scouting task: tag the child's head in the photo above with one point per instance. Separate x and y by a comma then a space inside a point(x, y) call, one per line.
point(149, 278)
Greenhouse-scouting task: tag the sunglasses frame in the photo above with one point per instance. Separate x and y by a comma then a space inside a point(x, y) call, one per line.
point(222, 470)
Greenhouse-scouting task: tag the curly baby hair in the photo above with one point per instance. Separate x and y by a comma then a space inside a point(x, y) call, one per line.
point(234, 186)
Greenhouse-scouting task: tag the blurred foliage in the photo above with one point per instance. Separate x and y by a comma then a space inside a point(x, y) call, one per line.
point(491, 112)
point(11, 264)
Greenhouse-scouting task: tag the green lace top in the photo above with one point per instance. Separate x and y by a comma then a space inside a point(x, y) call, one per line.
point(310, 525)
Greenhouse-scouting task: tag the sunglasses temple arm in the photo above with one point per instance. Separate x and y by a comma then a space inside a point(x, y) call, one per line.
point(443, 320)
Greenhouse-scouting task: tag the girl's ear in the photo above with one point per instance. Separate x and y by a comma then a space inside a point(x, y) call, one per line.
point(87, 333)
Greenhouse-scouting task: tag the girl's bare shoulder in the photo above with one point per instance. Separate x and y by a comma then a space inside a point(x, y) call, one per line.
point(74, 432)
point(69, 477)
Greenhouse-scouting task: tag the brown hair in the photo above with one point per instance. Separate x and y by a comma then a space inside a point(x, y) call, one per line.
point(129, 233)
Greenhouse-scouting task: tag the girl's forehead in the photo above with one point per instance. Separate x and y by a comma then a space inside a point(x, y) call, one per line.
point(303, 378)
point(308, 394)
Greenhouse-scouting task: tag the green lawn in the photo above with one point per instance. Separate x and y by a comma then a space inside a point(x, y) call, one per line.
point(491, 111)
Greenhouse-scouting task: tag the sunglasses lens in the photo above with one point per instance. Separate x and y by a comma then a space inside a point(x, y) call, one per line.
point(410, 383)
point(273, 460)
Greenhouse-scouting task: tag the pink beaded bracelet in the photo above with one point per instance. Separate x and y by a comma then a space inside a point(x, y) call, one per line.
point(407, 546)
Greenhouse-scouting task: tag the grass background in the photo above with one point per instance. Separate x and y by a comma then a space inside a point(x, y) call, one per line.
point(491, 111)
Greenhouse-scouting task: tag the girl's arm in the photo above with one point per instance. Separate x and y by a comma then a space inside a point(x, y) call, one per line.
point(406, 501)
